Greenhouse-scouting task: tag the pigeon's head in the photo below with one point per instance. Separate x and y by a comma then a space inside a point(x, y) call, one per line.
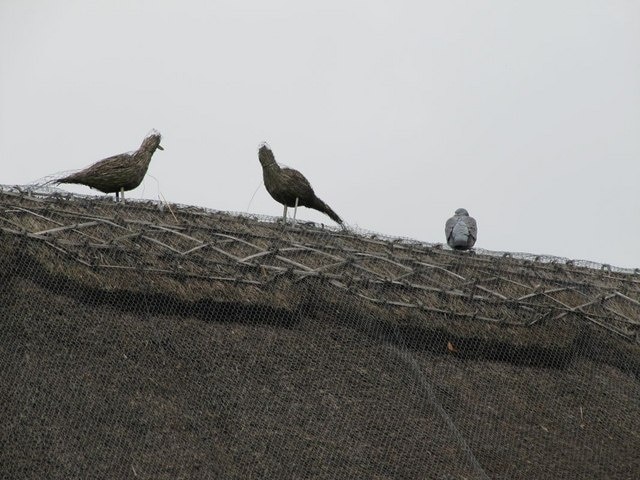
point(152, 141)
point(462, 211)
point(265, 155)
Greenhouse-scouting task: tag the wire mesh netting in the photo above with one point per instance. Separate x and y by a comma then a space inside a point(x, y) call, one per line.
point(142, 340)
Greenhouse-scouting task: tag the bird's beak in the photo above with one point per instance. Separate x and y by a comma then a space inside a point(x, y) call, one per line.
point(160, 147)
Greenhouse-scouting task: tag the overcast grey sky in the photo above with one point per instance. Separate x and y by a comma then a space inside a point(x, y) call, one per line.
point(526, 113)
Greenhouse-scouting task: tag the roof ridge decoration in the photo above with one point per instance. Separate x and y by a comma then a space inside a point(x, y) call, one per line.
point(201, 245)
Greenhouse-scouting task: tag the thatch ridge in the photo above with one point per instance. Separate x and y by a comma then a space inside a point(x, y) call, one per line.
point(522, 309)
point(195, 254)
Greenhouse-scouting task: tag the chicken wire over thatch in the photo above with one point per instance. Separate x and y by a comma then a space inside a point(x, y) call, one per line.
point(142, 340)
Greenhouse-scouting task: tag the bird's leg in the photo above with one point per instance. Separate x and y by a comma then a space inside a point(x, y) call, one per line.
point(295, 211)
point(284, 215)
point(122, 193)
point(117, 197)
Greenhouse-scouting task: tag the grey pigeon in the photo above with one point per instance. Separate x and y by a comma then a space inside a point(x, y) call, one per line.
point(461, 230)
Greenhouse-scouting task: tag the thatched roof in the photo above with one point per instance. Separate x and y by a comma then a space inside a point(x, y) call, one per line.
point(282, 310)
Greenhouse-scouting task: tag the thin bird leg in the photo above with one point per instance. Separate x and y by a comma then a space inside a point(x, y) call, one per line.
point(117, 197)
point(284, 215)
point(122, 193)
point(295, 210)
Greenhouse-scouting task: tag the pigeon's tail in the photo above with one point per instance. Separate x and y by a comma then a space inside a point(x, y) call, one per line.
point(460, 236)
point(319, 205)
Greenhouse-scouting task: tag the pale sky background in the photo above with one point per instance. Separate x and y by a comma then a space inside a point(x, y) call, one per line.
point(527, 113)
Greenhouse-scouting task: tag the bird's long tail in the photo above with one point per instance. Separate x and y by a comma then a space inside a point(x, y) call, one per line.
point(68, 179)
point(324, 208)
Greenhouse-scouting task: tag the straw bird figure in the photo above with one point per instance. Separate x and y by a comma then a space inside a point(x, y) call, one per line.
point(461, 230)
point(289, 187)
point(119, 173)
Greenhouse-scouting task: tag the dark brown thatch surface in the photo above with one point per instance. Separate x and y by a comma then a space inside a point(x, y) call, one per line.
point(139, 343)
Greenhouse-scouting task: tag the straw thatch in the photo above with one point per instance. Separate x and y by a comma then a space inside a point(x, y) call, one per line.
point(195, 255)
point(150, 341)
